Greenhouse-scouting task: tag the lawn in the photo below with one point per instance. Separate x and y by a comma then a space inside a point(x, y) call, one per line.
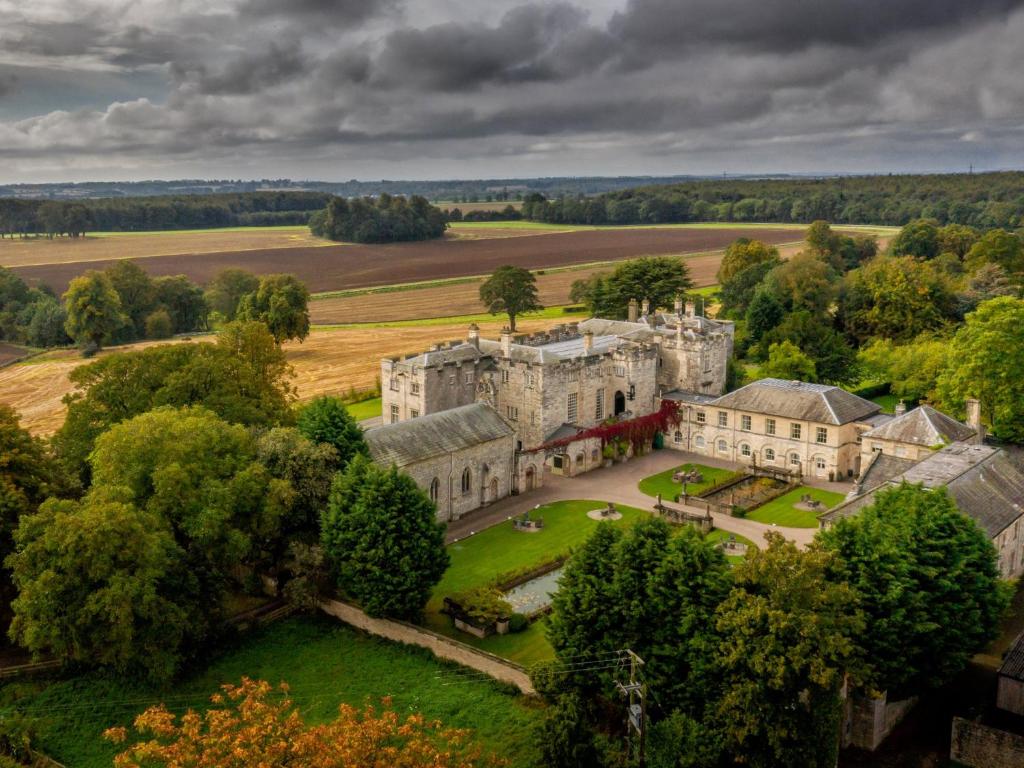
point(662, 482)
point(366, 409)
point(548, 313)
point(782, 511)
point(718, 535)
point(324, 662)
point(482, 558)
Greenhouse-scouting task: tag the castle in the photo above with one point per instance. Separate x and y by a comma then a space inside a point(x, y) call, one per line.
point(572, 377)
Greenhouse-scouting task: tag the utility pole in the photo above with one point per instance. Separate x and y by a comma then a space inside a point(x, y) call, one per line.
point(636, 712)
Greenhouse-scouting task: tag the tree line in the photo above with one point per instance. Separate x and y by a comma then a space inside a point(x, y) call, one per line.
point(52, 218)
point(384, 219)
point(122, 304)
point(910, 319)
point(983, 200)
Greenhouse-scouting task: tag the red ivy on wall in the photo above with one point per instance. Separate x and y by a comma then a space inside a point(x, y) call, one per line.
point(636, 431)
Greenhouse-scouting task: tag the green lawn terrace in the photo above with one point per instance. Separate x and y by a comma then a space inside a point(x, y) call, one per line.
point(662, 483)
point(365, 409)
point(324, 663)
point(790, 510)
point(499, 552)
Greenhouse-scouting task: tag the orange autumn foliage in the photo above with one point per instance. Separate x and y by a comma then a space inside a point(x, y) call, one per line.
point(254, 726)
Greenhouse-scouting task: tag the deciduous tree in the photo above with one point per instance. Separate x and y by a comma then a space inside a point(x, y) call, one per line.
point(226, 290)
point(1000, 247)
point(743, 253)
point(512, 291)
point(93, 309)
point(919, 238)
point(325, 419)
point(282, 303)
point(786, 361)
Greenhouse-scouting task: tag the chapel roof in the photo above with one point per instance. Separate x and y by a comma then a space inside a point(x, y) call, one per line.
point(436, 434)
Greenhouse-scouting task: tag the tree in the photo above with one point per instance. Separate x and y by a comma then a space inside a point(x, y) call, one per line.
point(911, 369)
point(512, 290)
point(821, 239)
point(183, 301)
point(786, 640)
point(251, 724)
point(738, 292)
point(242, 378)
point(325, 419)
point(834, 359)
point(282, 303)
point(928, 583)
point(919, 239)
point(1000, 247)
point(744, 253)
point(805, 282)
point(895, 298)
point(226, 290)
point(957, 239)
point(985, 363)
point(137, 293)
point(659, 279)
point(385, 219)
point(381, 537)
point(198, 473)
point(101, 583)
point(93, 308)
point(764, 313)
point(786, 361)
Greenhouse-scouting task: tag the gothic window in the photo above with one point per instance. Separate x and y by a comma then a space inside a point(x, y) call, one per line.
point(467, 483)
point(435, 489)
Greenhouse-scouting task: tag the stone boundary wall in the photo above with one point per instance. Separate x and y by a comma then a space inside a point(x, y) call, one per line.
point(979, 746)
point(441, 646)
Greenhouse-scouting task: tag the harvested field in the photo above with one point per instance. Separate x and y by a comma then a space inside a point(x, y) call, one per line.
point(9, 353)
point(139, 245)
point(328, 362)
point(337, 267)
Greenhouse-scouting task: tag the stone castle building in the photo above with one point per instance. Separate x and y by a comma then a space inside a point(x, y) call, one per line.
point(573, 376)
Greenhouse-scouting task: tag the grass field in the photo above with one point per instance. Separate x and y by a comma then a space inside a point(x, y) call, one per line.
point(480, 559)
point(662, 482)
point(366, 409)
point(325, 664)
point(782, 511)
point(718, 534)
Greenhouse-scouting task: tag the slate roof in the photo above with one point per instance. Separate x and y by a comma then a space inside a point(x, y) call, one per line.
point(1013, 662)
point(985, 483)
point(922, 426)
point(684, 396)
point(459, 353)
point(881, 469)
point(436, 434)
point(799, 400)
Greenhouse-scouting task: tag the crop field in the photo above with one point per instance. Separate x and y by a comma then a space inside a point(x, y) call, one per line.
point(328, 362)
point(336, 267)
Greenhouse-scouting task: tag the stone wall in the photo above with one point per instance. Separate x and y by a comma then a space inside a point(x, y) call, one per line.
point(695, 363)
point(1010, 695)
point(870, 720)
point(979, 746)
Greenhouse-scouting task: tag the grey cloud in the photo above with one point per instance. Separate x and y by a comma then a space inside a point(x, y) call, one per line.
point(265, 66)
point(336, 11)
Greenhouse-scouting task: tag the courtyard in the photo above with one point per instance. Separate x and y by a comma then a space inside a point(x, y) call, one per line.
point(791, 510)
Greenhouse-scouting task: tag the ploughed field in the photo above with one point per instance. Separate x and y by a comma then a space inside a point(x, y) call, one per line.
point(335, 267)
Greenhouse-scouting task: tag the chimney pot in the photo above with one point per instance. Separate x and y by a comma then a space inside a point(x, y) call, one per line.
point(679, 305)
point(974, 420)
point(506, 342)
point(646, 307)
point(588, 342)
point(473, 337)
point(690, 309)
point(633, 309)
point(900, 408)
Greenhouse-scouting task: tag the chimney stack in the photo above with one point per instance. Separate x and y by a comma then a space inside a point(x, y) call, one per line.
point(900, 408)
point(974, 420)
point(588, 342)
point(689, 309)
point(506, 342)
point(633, 309)
point(679, 306)
point(645, 308)
point(473, 337)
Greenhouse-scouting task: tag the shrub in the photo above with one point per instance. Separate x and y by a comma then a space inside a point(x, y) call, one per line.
point(518, 622)
point(159, 325)
point(483, 605)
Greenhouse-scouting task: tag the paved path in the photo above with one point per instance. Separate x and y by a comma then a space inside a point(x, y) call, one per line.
point(618, 484)
point(441, 646)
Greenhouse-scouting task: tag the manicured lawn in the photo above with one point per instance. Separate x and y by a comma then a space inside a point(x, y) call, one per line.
point(888, 402)
point(718, 535)
point(324, 662)
point(662, 482)
point(367, 409)
point(782, 511)
point(482, 558)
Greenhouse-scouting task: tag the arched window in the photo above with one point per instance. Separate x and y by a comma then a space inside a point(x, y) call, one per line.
point(678, 436)
point(723, 447)
point(699, 441)
point(435, 489)
point(744, 450)
point(769, 454)
point(794, 459)
point(467, 483)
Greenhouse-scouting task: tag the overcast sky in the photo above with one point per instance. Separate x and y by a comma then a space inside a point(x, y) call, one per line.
point(369, 89)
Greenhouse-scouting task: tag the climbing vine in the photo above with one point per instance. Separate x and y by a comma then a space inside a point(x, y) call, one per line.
point(637, 432)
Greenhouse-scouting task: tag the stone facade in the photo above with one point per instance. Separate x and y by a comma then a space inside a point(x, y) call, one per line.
point(980, 746)
point(797, 427)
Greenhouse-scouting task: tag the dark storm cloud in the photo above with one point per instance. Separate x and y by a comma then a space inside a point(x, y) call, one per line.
point(782, 25)
point(531, 43)
point(337, 11)
point(265, 66)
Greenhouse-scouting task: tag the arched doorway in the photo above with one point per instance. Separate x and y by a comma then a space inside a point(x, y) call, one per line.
point(531, 478)
point(620, 403)
point(493, 490)
point(485, 485)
